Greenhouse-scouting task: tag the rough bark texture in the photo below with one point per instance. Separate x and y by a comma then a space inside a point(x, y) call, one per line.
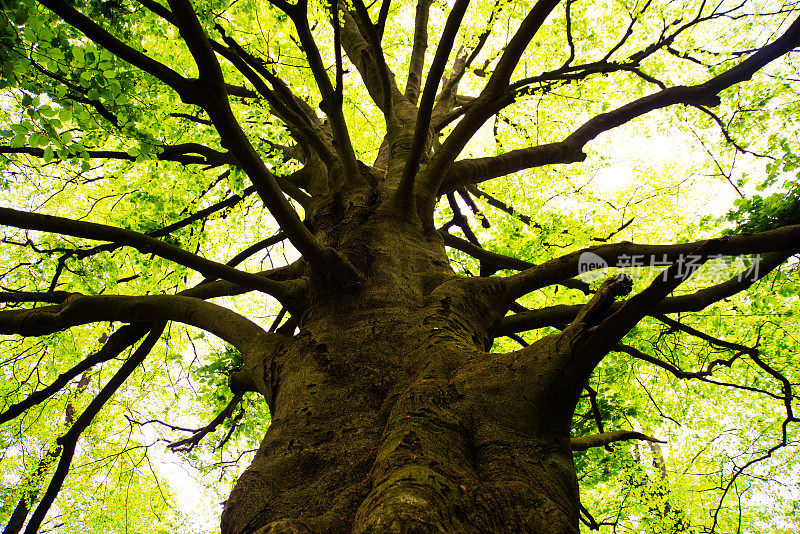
point(389, 414)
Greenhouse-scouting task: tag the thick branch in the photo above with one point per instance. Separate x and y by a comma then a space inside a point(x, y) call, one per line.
point(223, 288)
point(422, 127)
point(600, 324)
point(79, 309)
point(146, 244)
point(613, 326)
point(383, 14)
point(558, 316)
point(475, 170)
point(377, 66)
point(418, 48)
point(786, 238)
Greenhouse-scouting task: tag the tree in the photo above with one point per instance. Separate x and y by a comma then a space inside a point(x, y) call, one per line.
point(396, 402)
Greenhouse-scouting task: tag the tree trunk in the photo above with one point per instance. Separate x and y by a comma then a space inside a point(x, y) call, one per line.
point(389, 414)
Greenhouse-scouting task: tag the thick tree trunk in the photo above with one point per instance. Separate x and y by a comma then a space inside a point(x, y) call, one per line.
point(388, 414)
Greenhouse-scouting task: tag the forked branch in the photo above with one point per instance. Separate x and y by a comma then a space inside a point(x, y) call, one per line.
point(493, 98)
point(215, 101)
point(210, 93)
point(374, 64)
point(331, 100)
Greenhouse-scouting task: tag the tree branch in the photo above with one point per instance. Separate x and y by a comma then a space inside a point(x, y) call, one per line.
point(570, 150)
point(786, 238)
point(79, 309)
point(215, 101)
point(448, 97)
point(499, 204)
point(559, 315)
point(605, 438)
point(182, 153)
point(116, 343)
point(60, 225)
point(100, 36)
point(461, 221)
point(418, 48)
point(209, 289)
point(405, 190)
point(679, 373)
point(493, 98)
point(188, 444)
point(383, 14)
point(200, 215)
point(500, 261)
point(210, 93)
point(386, 83)
point(69, 440)
point(331, 103)
point(293, 111)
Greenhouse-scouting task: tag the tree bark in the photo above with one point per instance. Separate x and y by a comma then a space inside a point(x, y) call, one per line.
point(389, 414)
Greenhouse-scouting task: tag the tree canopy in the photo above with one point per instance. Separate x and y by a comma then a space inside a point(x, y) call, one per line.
point(167, 169)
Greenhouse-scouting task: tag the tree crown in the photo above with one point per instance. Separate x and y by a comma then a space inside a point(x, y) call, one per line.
point(230, 150)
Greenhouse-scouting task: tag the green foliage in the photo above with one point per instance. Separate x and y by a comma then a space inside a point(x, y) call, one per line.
point(758, 213)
